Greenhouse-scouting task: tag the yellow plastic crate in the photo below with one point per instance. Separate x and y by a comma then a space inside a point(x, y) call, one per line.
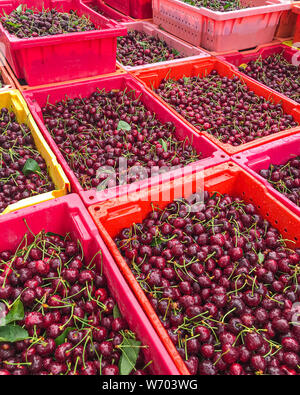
point(15, 102)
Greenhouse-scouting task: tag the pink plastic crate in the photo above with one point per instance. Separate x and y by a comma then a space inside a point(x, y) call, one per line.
point(237, 58)
point(220, 31)
point(138, 9)
point(106, 11)
point(68, 215)
point(276, 153)
point(37, 98)
point(49, 59)
point(189, 52)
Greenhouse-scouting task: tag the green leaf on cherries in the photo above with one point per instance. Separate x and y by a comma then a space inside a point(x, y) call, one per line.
point(122, 125)
point(12, 333)
point(19, 9)
point(163, 144)
point(130, 349)
point(31, 166)
point(227, 6)
point(16, 313)
point(54, 234)
point(186, 80)
point(116, 311)
point(261, 257)
point(17, 25)
point(62, 338)
point(143, 44)
point(156, 241)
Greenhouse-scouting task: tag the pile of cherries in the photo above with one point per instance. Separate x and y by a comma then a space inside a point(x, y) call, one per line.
point(277, 73)
point(225, 108)
point(222, 282)
point(219, 5)
point(94, 133)
point(69, 324)
point(285, 178)
point(25, 22)
point(139, 48)
point(17, 148)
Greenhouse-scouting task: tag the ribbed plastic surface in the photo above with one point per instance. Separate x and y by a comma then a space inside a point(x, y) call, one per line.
point(220, 31)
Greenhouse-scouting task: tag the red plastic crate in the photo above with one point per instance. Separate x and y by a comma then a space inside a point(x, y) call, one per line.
point(68, 215)
point(152, 78)
point(37, 98)
point(238, 58)
point(106, 11)
point(275, 153)
point(114, 215)
point(48, 59)
point(138, 9)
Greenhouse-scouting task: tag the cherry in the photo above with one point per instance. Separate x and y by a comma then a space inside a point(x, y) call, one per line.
point(207, 368)
point(44, 23)
point(253, 341)
point(111, 370)
point(236, 370)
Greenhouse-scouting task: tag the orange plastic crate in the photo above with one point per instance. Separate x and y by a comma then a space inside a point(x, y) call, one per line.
point(113, 215)
point(152, 78)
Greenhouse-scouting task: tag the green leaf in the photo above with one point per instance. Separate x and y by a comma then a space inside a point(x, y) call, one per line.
point(143, 44)
point(175, 52)
point(116, 311)
point(12, 333)
point(214, 195)
point(17, 25)
point(122, 125)
point(62, 338)
point(163, 144)
point(54, 234)
point(16, 313)
point(31, 166)
point(186, 80)
point(19, 9)
point(227, 6)
point(261, 257)
point(156, 241)
point(130, 349)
